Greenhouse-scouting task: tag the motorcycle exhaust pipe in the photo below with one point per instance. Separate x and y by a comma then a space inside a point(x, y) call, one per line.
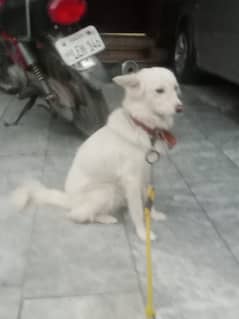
point(26, 53)
point(129, 66)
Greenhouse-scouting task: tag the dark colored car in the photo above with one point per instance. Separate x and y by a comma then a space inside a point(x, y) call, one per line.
point(200, 34)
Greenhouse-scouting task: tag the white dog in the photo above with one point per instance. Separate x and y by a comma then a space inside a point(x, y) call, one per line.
point(110, 170)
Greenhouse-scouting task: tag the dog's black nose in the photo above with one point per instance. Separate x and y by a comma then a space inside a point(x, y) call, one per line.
point(179, 108)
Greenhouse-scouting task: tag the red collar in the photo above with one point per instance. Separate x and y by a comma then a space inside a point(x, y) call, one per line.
point(157, 133)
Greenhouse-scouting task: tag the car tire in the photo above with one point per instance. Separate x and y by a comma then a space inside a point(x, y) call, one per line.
point(184, 61)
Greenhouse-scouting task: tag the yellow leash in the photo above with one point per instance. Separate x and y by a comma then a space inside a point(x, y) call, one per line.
point(150, 312)
point(152, 156)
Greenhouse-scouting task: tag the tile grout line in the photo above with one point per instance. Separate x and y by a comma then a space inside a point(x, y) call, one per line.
point(28, 251)
point(207, 216)
point(234, 164)
point(207, 138)
point(46, 153)
point(6, 108)
point(219, 149)
point(22, 155)
point(140, 288)
point(71, 296)
point(195, 196)
point(215, 109)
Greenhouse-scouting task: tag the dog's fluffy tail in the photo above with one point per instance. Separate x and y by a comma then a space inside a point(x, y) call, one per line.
point(37, 193)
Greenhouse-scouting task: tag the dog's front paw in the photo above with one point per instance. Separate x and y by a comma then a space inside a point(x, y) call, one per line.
point(158, 216)
point(142, 234)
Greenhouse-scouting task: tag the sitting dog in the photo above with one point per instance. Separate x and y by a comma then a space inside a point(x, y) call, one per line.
point(110, 168)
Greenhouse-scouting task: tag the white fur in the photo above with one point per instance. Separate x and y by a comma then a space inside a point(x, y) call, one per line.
point(109, 170)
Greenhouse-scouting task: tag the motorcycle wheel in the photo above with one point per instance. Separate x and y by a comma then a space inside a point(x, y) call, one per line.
point(87, 104)
point(80, 104)
point(91, 111)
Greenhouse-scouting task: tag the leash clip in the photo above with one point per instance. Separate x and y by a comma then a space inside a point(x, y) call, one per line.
point(152, 156)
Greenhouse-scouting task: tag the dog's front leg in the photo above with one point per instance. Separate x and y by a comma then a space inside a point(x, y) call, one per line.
point(156, 215)
point(136, 210)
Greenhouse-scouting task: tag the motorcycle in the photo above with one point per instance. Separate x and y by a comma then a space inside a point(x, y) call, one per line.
point(46, 51)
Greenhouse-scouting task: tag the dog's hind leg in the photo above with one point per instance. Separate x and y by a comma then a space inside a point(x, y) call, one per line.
point(95, 207)
point(81, 214)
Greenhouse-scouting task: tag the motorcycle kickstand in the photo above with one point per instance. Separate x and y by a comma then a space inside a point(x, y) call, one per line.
point(28, 106)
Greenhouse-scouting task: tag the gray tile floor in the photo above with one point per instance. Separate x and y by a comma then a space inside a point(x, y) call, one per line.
point(51, 268)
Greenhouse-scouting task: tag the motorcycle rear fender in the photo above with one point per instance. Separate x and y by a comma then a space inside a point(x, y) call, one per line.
point(93, 72)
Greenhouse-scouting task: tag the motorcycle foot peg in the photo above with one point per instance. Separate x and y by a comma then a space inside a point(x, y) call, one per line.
point(129, 66)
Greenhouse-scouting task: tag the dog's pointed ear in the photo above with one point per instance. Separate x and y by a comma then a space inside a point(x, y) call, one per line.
point(128, 81)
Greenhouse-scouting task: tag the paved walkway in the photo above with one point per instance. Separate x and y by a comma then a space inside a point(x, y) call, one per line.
point(51, 268)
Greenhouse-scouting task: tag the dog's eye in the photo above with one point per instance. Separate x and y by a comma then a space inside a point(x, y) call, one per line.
point(160, 91)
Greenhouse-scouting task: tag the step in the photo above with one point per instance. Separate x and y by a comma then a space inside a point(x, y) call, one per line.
point(131, 46)
point(127, 41)
point(151, 57)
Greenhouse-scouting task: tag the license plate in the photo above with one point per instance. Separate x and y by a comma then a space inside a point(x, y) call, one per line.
point(80, 45)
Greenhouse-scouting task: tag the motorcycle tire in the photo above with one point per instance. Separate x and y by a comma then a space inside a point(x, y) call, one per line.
point(91, 112)
point(87, 104)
